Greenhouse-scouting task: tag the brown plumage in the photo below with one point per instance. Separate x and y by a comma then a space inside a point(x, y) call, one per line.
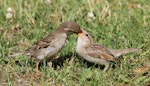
point(50, 45)
point(97, 53)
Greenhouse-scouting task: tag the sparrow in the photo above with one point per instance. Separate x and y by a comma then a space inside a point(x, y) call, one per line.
point(50, 45)
point(96, 53)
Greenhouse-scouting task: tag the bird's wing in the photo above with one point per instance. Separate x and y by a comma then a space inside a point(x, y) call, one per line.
point(99, 51)
point(44, 43)
point(40, 45)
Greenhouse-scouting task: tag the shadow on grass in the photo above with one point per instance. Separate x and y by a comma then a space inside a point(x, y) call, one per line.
point(59, 62)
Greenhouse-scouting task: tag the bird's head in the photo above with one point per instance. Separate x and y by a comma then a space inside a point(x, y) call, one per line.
point(70, 27)
point(84, 37)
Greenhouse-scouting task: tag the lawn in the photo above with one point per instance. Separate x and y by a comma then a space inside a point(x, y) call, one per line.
point(117, 24)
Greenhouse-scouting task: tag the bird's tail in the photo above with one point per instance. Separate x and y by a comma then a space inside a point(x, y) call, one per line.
point(17, 54)
point(118, 53)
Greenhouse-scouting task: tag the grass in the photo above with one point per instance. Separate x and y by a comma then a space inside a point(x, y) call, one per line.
point(116, 24)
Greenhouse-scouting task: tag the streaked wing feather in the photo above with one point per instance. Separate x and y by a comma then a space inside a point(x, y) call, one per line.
point(44, 43)
point(99, 51)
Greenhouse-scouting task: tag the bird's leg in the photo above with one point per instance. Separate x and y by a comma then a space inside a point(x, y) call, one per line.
point(37, 65)
point(71, 61)
point(107, 65)
point(49, 61)
point(50, 64)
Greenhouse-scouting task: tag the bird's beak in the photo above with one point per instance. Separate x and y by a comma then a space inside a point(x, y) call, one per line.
point(81, 34)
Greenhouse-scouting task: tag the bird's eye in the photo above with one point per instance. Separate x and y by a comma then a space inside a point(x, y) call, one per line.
point(86, 35)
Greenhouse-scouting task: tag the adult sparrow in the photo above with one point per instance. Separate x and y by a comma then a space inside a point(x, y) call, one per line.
point(50, 45)
point(96, 53)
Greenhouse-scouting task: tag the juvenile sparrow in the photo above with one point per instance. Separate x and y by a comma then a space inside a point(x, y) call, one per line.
point(96, 53)
point(50, 45)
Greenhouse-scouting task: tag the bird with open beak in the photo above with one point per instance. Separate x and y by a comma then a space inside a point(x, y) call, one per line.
point(96, 53)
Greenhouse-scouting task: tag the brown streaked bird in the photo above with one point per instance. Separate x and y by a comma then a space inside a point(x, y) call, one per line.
point(50, 45)
point(96, 53)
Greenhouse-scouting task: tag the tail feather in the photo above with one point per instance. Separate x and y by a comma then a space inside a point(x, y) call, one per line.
point(17, 54)
point(118, 53)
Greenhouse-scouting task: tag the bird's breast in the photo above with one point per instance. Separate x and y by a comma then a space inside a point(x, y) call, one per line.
point(54, 47)
point(80, 51)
